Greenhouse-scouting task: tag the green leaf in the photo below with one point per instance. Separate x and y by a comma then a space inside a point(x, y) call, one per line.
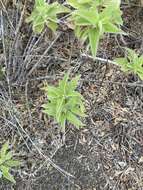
point(111, 28)
point(4, 149)
point(49, 109)
point(91, 15)
point(8, 156)
point(52, 92)
point(133, 63)
point(13, 163)
point(114, 3)
point(39, 2)
point(63, 83)
point(84, 1)
point(74, 120)
point(6, 174)
point(123, 63)
point(63, 9)
point(38, 28)
point(81, 33)
point(59, 108)
point(94, 37)
point(82, 22)
point(6, 162)
point(62, 120)
point(74, 94)
point(131, 54)
point(52, 25)
point(77, 111)
point(78, 4)
point(73, 83)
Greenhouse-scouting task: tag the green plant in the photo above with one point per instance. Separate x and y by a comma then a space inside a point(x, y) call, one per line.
point(91, 19)
point(91, 3)
point(131, 63)
point(64, 102)
point(6, 163)
point(45, 14)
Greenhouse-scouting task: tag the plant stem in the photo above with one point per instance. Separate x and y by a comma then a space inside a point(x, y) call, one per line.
point(99, 59)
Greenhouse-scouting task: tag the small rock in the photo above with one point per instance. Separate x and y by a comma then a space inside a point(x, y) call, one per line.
point(140, 160)
point(122, 164)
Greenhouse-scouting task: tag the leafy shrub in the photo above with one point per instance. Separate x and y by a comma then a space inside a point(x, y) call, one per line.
point(45, 14)
point(132, 63)
point(6, 163)
point(64, 102)
point(91, 19)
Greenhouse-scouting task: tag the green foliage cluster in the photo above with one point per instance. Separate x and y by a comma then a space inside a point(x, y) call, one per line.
point(6, 163)
point(92, 19)
point(65, 103)
point(45, 14)
point(131, 63)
